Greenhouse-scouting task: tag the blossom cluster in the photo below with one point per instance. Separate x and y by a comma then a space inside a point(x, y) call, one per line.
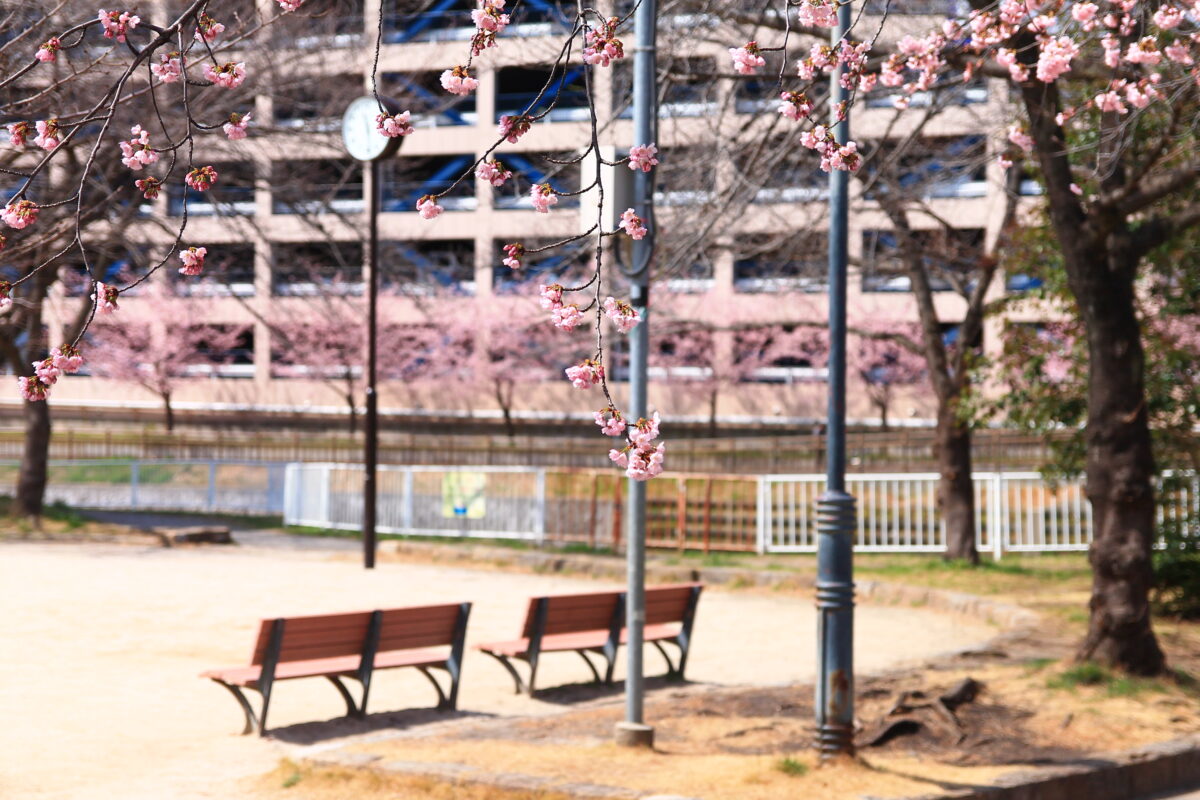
point(601, 45)
point(642, 458)
point(490, 21)
point(458, 80)
point(137, 152)
point(117, 24)
point(493, 172)
point(169, 68)
point(193, 260)
point(394, 125)
point(64, 359)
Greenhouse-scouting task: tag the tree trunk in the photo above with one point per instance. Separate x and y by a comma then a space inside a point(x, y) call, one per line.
point(1120, 473)
point(31, 482)
point(352, 420)
point(712, 413)
point(169, 412)
point(956, 491)
point(883, 416)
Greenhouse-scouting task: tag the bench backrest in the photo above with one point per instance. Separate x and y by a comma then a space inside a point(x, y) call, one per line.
point(324, 636)
point(424, 626)
point(668, 603)
point(571, 613)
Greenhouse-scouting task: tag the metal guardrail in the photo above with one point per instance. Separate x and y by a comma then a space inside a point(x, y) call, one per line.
point(209, 486)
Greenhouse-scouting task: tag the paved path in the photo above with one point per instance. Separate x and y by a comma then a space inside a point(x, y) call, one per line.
point(102, 645)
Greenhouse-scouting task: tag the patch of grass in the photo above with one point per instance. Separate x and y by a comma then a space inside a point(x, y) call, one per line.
point(1085, 674)
point(291, 780)
point(791, 767)
point(1037, 665)
point(63, 513)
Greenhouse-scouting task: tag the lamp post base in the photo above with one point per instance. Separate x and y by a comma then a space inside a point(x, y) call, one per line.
point(633, 734)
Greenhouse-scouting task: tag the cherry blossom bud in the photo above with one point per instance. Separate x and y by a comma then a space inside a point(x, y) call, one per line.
point(1004, 161)
point(19, 214)
point(645, 462)
point(201, 178)
point(550, 296)
point(5, 295)
point(645, 431)
point(513, 253)
point(601, 46)
point(586, 374)
point(18, 133)
point(514, 127)
point(66, 358)
point(490, 17)
point(746, 59)
point(632, 224)
point(624, 316)
point(493, 172)
point(49, 50)
point(429, 207)
point(393, 125)
point(228, 75)
point(610, 421)
point(1075, 190)
point(289, 6)
point(795, 105)
point(207, 28)
point(236, 127)
point(642, 157)
point(1018, 136)
point(543, 197)
point(48, 134)
point(459, 81)
point(105, 298)
point(149, 187)
point(193, 260)
point(137, 152)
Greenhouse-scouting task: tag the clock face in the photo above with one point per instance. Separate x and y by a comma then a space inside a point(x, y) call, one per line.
point(362, 141)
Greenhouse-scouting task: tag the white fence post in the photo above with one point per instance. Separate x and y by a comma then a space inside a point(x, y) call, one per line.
point(406, 502)
point(762, 521)
point(539, 521)
point(997, 524)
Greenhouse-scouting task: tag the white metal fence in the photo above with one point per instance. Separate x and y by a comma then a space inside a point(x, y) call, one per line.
point(190, 486)
point(1014, 512)
point(896, 513)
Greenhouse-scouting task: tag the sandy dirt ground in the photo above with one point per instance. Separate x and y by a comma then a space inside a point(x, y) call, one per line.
point(101, 645)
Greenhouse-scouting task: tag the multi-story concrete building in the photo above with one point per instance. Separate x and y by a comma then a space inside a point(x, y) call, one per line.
point(742, 233)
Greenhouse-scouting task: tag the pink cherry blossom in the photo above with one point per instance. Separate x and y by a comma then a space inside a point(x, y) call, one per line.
point(795, 105)
point(1055, 57)
point(201, 178)
point(550, 296)
point(394, 125)
point(149, 187)
point(207, 28)
point(289, 6)
point(458, 81)
point(641, 462)
point(1075, 190)
point(48, 134)
point(610, 421)
point(49, 50)
point(1179, 53)
point(601, 46)
point(193, 260)
point(632, 224)
point(33, 389)
point(46, 371)
point(489, 17)
point(19, 214)
point(512, 255)
point(5, 295)
point(624, 316)
point(428, 206)
point(105, 298)
point(169, 68)
point(229, 75)
point(1110, 102)
point(567, 317)
point(514, 127)
point(645, 431)
point(1167, 17)
point(543, 197)
point(235, 128)
point(585, 375)
point(1084, 13)
point(117, 24)
point(1018, 136)
point(18, 133)
point(493, 172)
point(137, 152)
point(67, 358)
point(643, 157)
point(1004, 161)
point(746, 59)
point(817, 13)
point(1143, 51)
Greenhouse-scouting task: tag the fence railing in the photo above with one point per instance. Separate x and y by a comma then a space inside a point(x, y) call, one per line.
point(897, 513)
point(189, 486)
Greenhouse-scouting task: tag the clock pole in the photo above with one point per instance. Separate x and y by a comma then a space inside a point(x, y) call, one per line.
point(366, 144)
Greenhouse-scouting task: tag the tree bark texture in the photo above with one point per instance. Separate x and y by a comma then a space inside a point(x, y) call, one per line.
point(169, 412)
point(31, 482)
point(956, 491)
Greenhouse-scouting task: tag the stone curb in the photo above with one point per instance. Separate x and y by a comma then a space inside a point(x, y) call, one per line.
point(1125, 775)
point(1004, 615)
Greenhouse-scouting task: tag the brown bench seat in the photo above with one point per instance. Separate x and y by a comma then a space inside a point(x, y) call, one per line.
point(594, 623)
point(353, 645)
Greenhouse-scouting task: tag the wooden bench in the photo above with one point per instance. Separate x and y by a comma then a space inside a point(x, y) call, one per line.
point(594, 623)
point(353, 645)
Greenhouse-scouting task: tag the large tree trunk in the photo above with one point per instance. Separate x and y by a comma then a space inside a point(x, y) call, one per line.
point(956, 492)
point(352, 419)
point(31, 482)
point(169, 412)
point(1120, 472)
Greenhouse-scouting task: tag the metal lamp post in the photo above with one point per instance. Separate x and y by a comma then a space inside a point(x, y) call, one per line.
point(364, 143)
point(835, 508)
point(633, 730)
